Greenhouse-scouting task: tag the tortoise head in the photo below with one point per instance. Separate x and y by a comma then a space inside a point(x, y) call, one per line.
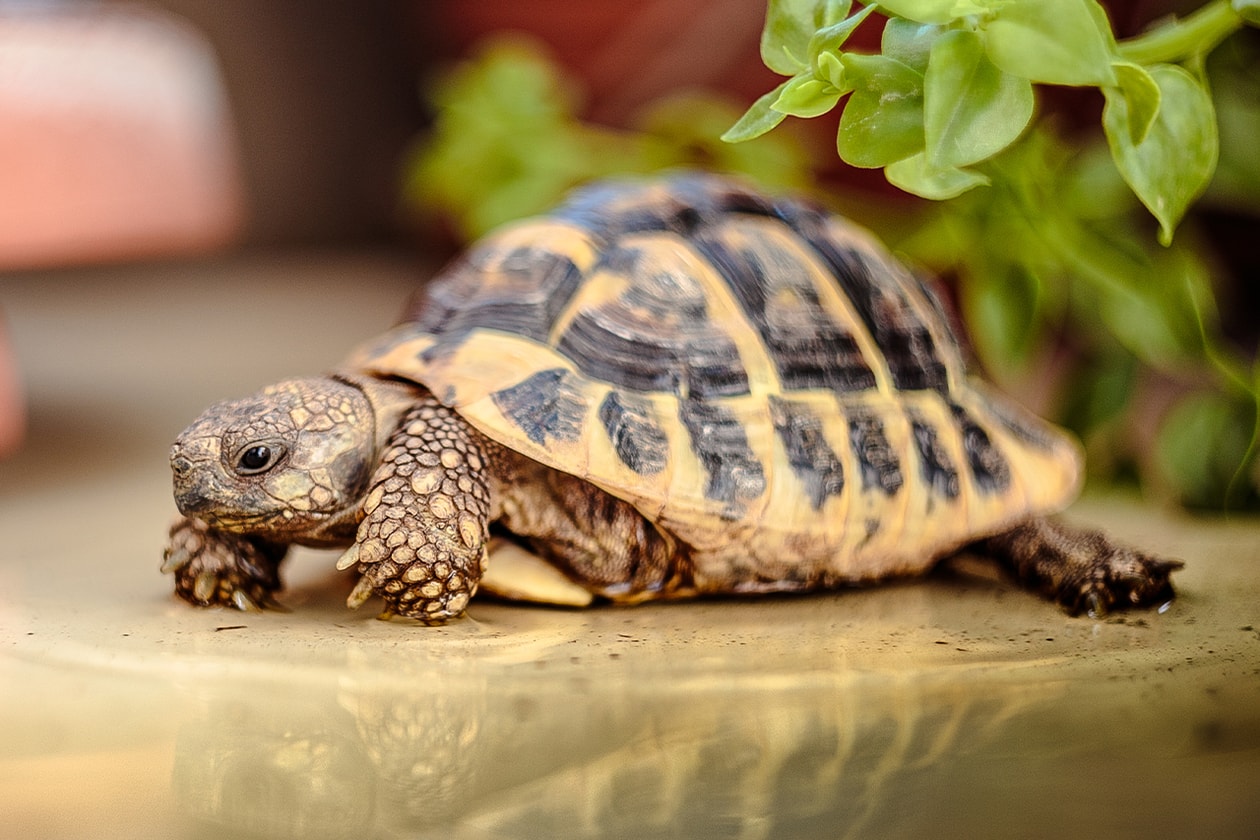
point(290, 462)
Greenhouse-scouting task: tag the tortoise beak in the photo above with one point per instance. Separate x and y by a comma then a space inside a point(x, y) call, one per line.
point(192, 472)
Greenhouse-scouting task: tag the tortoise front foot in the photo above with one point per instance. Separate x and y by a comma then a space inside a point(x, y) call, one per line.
point(422, 542)
point(216, 568)
point(1080, 568)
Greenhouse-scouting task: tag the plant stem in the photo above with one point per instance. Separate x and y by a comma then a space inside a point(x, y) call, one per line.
point(1178, 40)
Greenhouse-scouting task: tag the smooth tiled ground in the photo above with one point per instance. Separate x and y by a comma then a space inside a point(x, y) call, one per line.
point(955, 706)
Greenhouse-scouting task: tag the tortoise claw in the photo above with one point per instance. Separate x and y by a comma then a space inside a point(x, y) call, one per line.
point(217, 569)
point(359, 595)
point(1083, 569)
point(348, 558)
point(1095, 605)
point(244, 603)
point(204, 586)
point(174, 559)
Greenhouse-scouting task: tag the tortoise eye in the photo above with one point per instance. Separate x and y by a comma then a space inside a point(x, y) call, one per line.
point(257, 458)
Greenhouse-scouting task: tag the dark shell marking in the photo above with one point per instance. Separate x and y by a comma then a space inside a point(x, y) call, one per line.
point(544, 406)
point(531, 287)
point(904, 341)
point(988, 466)
point(812, 459)
point(808, 347)
point(879, 465)
point(656, 335)
point(935, 466)
point(631, 426)
point(718, 438)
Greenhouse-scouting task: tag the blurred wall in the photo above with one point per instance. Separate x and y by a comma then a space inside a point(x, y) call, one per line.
point(326, 97)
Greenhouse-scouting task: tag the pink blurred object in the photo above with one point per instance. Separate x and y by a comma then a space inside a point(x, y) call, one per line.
point(115, 138)
point(12, 402)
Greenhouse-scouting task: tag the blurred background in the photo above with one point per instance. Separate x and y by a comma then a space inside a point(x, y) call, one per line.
point(183, 132)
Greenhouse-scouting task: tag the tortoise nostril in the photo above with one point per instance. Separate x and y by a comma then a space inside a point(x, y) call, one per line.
point(180, 465)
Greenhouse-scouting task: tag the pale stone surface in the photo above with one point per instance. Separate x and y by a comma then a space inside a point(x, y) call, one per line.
point(956, 706)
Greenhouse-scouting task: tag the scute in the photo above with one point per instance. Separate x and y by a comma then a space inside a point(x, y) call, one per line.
point(746, 371)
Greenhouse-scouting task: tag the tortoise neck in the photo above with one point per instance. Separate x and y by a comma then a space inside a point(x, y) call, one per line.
point(390, 400)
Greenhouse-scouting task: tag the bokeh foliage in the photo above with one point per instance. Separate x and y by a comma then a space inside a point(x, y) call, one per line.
point(1052, 236)
point(507, 140)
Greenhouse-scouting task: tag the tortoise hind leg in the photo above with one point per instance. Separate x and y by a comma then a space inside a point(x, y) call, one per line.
point(601, 543)
point(1080, 568)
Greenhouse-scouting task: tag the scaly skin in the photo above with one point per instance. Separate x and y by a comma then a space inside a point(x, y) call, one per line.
point(1082, 569)
point(380, 467)
point(422, 542)
point(219, 568)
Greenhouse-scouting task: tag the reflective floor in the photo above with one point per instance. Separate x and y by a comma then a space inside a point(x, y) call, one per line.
point(951, 707)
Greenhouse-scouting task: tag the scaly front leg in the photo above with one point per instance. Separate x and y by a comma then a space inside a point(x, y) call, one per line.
point(217, 568)
point(422, 542)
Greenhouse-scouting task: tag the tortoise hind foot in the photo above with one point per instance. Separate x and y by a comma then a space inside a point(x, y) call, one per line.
point(1080, 568)
point(216, 568)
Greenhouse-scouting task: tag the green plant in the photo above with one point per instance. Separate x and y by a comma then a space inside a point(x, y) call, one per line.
point(507, 141)
point(1054, 261)
point(1042, 236)
point(953, 87)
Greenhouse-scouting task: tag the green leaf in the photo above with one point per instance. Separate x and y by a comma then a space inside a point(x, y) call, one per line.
point(1236, 182)
point(1142, 297)
point(785, 37)
point(832, 37)
point(828, 66)
point(972, 110)
point(1141, 98)
point(1248, 10)
point(909, 42)
point(1101, 389)
point(831, 11)
point(1064, 42)
point(1000, 303)
point(805, 96)
point(1201, 446)
point(1092, 189)
point(883, 119)
point(924, 11)
point(914, 175)
point(758, 119)
point(1141, 320)
point(1175, 161)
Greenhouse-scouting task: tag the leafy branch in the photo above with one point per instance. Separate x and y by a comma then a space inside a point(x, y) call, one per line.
point(953, 86)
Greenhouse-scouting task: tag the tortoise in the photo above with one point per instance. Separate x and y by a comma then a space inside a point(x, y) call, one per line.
point(667, 387)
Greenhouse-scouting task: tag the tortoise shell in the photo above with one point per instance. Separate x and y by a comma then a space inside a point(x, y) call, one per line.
point(748, 372)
